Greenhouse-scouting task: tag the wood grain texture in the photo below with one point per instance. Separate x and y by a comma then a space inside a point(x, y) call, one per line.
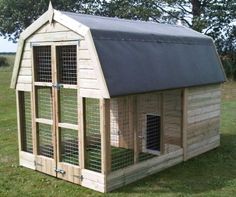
point(203, 119)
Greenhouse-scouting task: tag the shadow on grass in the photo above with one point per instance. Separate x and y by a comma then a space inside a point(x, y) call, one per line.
point(210, 171)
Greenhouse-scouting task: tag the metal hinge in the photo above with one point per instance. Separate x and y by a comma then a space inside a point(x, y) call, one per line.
point(59, 171)
point(141, 137)
point(57, 86)
point(79, 177)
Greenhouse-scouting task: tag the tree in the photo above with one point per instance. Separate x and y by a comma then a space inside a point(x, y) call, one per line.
point(16, 15)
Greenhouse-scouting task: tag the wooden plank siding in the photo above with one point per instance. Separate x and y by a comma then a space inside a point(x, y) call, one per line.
point(203, 119)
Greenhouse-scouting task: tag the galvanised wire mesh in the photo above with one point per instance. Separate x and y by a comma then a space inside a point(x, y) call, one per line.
point(93, 136)
point(42, 62)
point(69, 146)
point(68, 106)
point(67, 64)
point(45, 140)
point(138, 131)
point(121, 134)
point(44, 102)
point(27, 144)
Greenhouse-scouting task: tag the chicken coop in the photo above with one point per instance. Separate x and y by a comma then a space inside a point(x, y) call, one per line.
point(103, 102)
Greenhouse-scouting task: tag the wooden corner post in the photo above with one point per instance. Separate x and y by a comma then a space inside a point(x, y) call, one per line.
point(82, 129)
point(105, 135)
point(184, 121)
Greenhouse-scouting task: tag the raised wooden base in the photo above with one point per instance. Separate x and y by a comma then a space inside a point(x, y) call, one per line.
point(125, 176)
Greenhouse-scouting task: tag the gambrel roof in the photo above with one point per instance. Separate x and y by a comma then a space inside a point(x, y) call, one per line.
point(138, 57)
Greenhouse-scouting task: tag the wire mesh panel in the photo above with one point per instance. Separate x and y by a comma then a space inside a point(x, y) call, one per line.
point(69, 146)
point(153, 133)
point(93, 136)
point(68, 106)
point(44, 102)
point(42, 62)
point(122, 138)
point(45, 140)
point(67, 63)
point(27, 123)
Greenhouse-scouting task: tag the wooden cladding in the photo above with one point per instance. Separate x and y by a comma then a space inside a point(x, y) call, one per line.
point(203, 119)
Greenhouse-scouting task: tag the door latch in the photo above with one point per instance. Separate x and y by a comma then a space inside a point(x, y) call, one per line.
point(59, 171)
point(57, 86)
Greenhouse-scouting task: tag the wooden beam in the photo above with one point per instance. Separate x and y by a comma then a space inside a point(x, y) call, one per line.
point(17, 63)
point(82, 131)
point(55, 106)
point(34, 103)
point(184, 122)
point(19, 105)
point(134, 125)
point(70, 23)
point(162, 107)
point(105, 135)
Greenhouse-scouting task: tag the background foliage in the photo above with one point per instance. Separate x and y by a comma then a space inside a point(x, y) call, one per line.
point(215, 18)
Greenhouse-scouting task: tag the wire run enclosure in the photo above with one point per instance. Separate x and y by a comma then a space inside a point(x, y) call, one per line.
point(76, 122)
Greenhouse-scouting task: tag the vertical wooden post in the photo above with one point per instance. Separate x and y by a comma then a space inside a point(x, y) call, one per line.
point(133, 125)
point(105, 135)
point(19, 118)
point(34, 101)
point(162, 134)
point(82, 133)
point(184, 121)
point(55, 112)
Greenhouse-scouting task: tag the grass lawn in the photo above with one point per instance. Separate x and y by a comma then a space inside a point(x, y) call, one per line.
point(211, 174)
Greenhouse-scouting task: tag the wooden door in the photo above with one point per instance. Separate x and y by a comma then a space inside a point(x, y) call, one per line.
point(56, 106)
point(67, 114)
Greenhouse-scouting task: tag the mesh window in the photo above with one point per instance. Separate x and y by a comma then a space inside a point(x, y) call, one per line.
point(68, 106)
point(42, 61)
point(45, 140)
point(67, 63)
point(44, 105)
point(153, 133)
point(27, 123)
point(93, 136)
point(69, 146)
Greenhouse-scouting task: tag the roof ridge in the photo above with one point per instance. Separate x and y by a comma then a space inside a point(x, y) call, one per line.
point(123, 19)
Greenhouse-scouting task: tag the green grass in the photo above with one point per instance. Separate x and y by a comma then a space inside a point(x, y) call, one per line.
point(211, 174)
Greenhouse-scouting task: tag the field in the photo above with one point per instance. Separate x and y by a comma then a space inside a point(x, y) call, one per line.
point(211, 174)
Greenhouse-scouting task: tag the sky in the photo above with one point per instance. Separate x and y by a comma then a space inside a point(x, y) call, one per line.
point(7, 46)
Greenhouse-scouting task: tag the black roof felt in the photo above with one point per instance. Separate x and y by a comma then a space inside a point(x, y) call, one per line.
point(139, 57)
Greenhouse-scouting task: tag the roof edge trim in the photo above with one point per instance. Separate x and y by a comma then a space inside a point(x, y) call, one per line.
point(16, 67)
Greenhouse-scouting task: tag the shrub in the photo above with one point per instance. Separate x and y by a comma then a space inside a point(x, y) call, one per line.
point(3, 61)
point(229, 64)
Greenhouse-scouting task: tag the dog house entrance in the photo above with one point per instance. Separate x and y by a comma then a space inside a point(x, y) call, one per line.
point(56, 111)
point(153, 134)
